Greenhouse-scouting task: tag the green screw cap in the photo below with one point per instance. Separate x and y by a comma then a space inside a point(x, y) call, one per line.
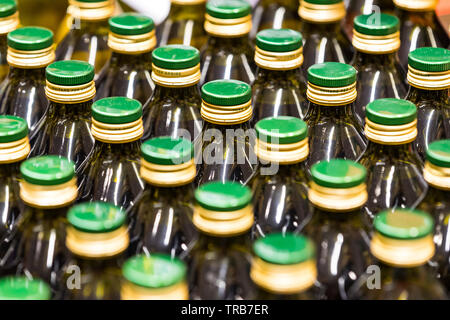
point(376, 24)
point(47, 170)
point(391, 111)
point(30, 38)
point(430, 59)
point(228, 9)
point(21, 288)
point(285, 129)
point(129, 24)
point(226, 92)
point(332, 74)
point(167, 150)
point(405, 224)
point(7, 8)
point(12, 128)
point(116, 110)
point(96, 217)
point(218, 196)
point(338, 173)
point(279, 40)
point(70, 73)
point(284, 249)
point(176, 57)
point(323, 2)
point(155, 271)
point(438, 153)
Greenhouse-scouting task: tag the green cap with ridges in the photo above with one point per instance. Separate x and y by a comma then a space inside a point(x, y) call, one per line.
point(30, 38)
point(116, 110)
point(130, 24)
point(219, 196)
point(96, 217)
point(338, 173)
point(279, 40)
point(278, 248)
point(438, 153)
point(404, 224)
point(22, 288)
point(332, 74)
point(226, 92)
point(155, 271)
point(175, 57)
point(285, 129)
point(228, 9)
point(167, 150)
point(391, 111)
point(12, 128)
point(376, 24)
point(7, 8)
point(47, 170)
point(70, 73)
point(430, 59)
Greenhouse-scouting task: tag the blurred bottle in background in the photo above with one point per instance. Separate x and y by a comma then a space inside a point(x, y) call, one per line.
point(43, 13)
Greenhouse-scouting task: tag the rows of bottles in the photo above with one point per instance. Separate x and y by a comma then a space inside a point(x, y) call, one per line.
point(272, 167)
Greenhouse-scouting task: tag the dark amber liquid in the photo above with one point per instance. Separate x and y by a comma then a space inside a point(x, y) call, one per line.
point(45, 13)
point(4, 67)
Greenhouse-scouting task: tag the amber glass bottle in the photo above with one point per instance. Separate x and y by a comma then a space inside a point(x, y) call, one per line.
point(228, 53)
point(44, 13)
point(429, 79)
point(394, 168)
point(66, 128)
point(220, 262)
point(184, 25)
point(87, 39)
point(48, 189)
point(402, 245)
point(97, 239)
point(128, 72)
point(9, 21)
point(279, 88)
point(280, 185)
point(419, 27)
point(22, 93)
point(284, 268)
point(111, 173)
point(334, 131)
point(162, 217)
point(22, 288)
point(227, 148)
point(155, 277)
point(15, 148)
point(323, 38)
point(174, 109)
point(379, 72)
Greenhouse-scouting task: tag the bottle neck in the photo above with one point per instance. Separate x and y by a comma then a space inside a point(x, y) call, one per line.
point(218, 42)
point(223, 243)
point(338, 111)
point(388, 59)
point(38, 73)
point(132, 147)
point(76, 109)
point(176, 93)
point(91, 27)
point(120, 59)
point(10, 169)
point(187, 12)
point(278, 74)
point(337, 216)
point(422, 18)
point(416, 94)
point(328, 28)
point(293, 4)
point(391, 151)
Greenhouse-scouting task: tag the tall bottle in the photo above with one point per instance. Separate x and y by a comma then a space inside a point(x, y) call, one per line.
point(380, 74)
point(227, 143)
point(419, 27)
point(87, 39)
point(228, 53)
point(437, 202)
point(284, 268)
point(394, 168)
point(48, 189)
point(334, 131)
point(66, 128)
point(44, 13)
point(97, 238)
point(338, 228)
point(155, 277)
point(429, 79)
point(9, 21)
point(402, 245)
point(22, 288)
point(162, 217)
point(15, 147)
point(111, 173)
point(220, 262)
point(174, 109)
point(280, 186)
point(323, 38)
point(279, 87)
point(184, 25)
point(22, 93)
